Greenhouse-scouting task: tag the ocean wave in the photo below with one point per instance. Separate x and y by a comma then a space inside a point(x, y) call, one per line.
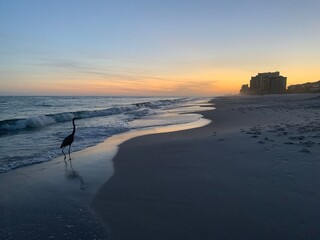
point(134, 110)
point(85, 137)
point(32, 140)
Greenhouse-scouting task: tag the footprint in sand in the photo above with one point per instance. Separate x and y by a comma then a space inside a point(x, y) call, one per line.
point(305, 150)
point(307, 144)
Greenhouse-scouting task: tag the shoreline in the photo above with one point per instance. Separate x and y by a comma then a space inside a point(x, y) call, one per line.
point(51, 199)
point(246, 175)
point(235, 178)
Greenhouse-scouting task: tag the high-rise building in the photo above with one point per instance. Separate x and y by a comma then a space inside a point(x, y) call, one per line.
point(244, 89)
point(268, 83)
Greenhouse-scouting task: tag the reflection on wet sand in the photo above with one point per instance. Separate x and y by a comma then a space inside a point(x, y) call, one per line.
point(73, 174)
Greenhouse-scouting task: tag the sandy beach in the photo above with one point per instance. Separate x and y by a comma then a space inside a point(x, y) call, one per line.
point(250, 174)
point(159, 120)
point(51, 200)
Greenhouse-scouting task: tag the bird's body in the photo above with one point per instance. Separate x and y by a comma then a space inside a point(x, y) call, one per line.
point(69, 140)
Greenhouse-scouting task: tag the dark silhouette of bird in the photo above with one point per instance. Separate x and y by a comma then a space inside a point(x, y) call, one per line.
point(69, 140)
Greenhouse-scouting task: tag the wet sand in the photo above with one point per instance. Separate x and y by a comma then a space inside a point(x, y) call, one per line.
point(51, 200)
point(250, 174)
point(253, 173)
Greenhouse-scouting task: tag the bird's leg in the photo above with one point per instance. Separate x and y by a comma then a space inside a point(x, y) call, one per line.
point(69, 152)
point(64, 156)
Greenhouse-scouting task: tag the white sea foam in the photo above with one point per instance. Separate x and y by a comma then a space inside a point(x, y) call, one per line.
point(34, 139)
point(135, 110)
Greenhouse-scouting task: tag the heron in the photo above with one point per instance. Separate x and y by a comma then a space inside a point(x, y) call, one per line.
point(69, 140)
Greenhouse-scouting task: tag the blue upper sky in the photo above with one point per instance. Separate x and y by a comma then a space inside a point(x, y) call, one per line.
point(167, 46)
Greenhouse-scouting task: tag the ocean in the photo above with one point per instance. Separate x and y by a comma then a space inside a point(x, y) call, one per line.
point(33, 128)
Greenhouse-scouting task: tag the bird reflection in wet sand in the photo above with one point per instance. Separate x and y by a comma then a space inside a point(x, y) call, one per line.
point(73, 174)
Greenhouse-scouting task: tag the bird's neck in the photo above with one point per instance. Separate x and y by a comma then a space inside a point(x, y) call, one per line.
point(74, 128)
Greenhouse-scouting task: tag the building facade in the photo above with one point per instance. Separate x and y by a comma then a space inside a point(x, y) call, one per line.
point(244, 89)
point(266, 83)
point(309, 87)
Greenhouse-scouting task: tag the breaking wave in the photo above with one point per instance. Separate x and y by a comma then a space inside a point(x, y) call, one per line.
point(135, 110)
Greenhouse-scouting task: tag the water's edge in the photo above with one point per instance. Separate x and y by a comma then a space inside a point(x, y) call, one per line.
point(69, 188)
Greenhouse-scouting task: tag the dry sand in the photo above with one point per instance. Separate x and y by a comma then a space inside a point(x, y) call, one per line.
point(253, 173)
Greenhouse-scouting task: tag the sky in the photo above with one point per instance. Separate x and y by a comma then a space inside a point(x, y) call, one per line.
point(154, 48)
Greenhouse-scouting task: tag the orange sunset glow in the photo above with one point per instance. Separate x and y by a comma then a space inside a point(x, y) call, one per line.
point(191, 52)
